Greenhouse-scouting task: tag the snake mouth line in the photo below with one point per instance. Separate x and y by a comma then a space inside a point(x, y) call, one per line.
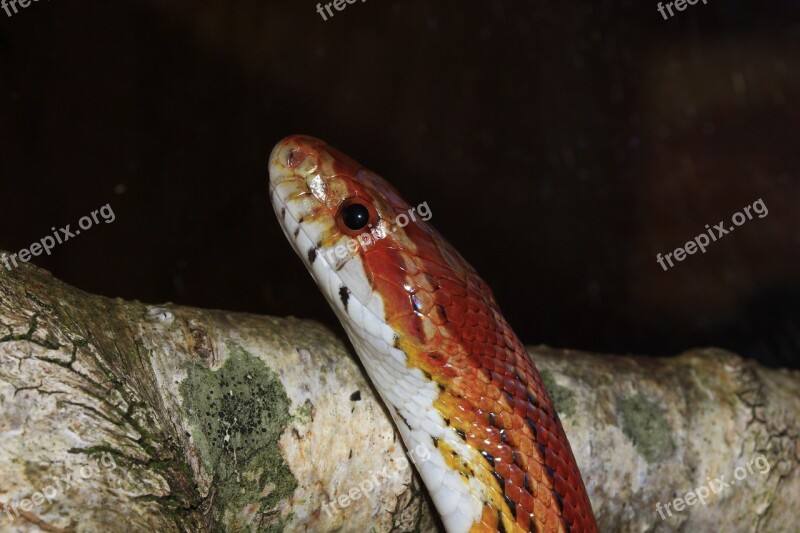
point(315, 253)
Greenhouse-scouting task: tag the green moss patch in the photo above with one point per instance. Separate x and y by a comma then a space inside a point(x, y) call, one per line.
point(645, 423)
point(563, 399)
point(237, 414)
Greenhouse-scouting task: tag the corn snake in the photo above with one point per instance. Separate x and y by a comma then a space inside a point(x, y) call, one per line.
point(452, 373)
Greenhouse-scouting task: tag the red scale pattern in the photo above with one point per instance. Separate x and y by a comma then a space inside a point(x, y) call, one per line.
point(491, 389)
point(450, 327)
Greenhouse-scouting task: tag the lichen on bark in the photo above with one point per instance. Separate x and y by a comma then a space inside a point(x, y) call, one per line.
point(237, 414)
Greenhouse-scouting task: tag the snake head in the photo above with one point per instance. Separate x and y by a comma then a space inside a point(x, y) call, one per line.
point(338, 215)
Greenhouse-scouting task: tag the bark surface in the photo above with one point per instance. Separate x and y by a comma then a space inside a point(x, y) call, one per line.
point(122, 416)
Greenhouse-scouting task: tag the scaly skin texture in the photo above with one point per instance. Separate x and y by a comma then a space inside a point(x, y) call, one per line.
point(453, 374)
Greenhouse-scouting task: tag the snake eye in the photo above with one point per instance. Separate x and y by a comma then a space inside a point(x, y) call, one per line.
point(354, 215)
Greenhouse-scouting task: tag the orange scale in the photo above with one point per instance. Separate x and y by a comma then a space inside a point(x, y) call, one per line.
point(564, 477)
point(449, 332)
point(409, 266)
point(435, 364)
point(561, 486)
point(512, 438)
point(424, 281)
point(556, 463)
point(475, 348)
point(467, 335)
point(500, 366)
point(537, 474)
point(484, 376)
point(526, 501)
point(422, 302)
point(539, 509)
point(544, 434)
point(524, 446)
point(523, 463)
point(498, 378)
point(474, 361)
point(485, 404)
point(439, 272)
point(481, 439)
point(520, 406)
point(479, 308)
point(498, 419)
point(453, 347)
point(513, 491)
point(477, 351)
point(502, 456)
point(502, 418)
point(456, 316)
point(455, 358)
point(521, 383)
point(543, 421)
point(511, 387)
point(491, 431)
point(438, 316)
point(506, 406)
point(568, 512)
point(480, 362)
point(408, 323)
point(553, 442)
point(531, 411)
point(517, 476)
point(517, 423)
point(442, 297)
point(456, 291)
point(564, 469)
point(472, 303)
point(499, 354)
point(449, 371)
point(484, 321)
point(552, 525)
point(470, 396)
point(551, 459)
point(479, 389)
point(487, 362)
point(435, 342)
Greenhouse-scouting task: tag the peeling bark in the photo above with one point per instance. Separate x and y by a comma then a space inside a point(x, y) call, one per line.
point(118, 415)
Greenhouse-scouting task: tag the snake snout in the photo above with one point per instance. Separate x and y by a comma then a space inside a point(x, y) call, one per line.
point(293, 157)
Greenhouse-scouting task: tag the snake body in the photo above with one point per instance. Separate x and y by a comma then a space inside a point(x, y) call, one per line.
point(452, 373)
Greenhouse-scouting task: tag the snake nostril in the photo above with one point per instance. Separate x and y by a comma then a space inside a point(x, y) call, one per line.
point(295, 158)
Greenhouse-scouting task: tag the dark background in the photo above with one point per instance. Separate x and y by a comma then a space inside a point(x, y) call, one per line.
point(560, 147)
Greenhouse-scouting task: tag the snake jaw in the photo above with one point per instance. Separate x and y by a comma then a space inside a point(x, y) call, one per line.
point(454, 376)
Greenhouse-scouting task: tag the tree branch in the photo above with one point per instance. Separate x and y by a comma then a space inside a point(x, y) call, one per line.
point(169, 418)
